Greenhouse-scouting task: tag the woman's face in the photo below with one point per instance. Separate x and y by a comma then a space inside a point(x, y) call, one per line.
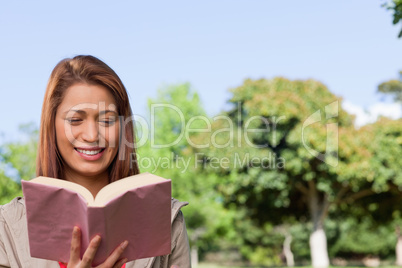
point(87, 130)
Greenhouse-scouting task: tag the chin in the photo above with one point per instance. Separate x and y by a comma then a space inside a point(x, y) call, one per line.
point(90, 172)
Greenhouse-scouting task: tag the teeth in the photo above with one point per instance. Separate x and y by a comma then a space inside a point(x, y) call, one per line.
point(89, 152)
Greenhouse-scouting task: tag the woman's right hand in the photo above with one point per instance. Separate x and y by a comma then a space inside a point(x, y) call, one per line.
point(113, 261)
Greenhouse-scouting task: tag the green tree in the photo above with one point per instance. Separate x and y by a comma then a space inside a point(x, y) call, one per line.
point(356, 237)
point(175, 115)
point(385, 206)
point(8, 189)
point(392, 88)
point(17, 162)
point(396, 7)
point(293, 152)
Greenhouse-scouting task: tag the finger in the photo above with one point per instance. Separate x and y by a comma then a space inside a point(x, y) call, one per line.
point(120, 263)
point(75, 246)
point(89, 254)
point(112, 259)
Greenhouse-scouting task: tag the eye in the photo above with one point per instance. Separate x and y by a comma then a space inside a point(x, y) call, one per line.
point(74, 121)
point(107, 121)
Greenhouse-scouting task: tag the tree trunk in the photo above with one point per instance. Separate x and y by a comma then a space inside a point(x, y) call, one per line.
point(287, 251)
point(194, 256)
point(318, 205)
point(398, 248)
point(318, 248)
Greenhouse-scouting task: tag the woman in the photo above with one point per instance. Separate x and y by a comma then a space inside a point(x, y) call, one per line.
point(86, 136)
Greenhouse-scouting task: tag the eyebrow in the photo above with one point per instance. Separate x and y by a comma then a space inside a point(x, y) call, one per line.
point(83, 112)
point(107, 111)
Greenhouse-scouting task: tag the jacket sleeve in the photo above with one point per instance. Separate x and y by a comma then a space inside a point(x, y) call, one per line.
point(3, 256)
point(180, 255)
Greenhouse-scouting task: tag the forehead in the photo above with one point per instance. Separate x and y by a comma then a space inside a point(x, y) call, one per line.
point(81, 96)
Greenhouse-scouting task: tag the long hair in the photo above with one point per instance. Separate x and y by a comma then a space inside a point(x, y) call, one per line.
point(92, 71)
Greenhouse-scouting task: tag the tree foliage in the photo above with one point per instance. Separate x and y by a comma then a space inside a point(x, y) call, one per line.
point(295, 155)
point(8, 189)
point(356, 236)
point(396, 7)
point(392, 88)
point(168, 153)
point(17, 162)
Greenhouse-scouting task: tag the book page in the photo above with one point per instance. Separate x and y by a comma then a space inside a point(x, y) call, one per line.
point(117, 188)
point(84, 192)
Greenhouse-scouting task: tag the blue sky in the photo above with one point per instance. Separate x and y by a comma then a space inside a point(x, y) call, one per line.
point(349, 45)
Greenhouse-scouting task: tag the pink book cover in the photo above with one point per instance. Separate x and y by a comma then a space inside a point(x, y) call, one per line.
point(141, 215)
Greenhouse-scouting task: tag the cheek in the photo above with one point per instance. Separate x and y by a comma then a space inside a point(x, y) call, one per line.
point(112, 136)
point(60, 133)
point(64, 133)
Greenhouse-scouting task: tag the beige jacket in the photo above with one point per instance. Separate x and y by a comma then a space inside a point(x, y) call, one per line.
point(14, 248)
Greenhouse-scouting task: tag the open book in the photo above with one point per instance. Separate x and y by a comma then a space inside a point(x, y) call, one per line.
point(135, 208)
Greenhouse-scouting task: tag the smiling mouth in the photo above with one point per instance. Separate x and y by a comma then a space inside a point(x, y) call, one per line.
point(90, 152)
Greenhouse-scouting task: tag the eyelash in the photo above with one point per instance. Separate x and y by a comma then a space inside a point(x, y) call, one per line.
point(108, 122)
point(75, 121)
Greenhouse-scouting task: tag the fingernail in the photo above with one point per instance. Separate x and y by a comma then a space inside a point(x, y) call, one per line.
point(97, 239)
point(76, 230)
point(124, 244)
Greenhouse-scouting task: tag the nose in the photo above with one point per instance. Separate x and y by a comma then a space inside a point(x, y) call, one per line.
point(90, 132)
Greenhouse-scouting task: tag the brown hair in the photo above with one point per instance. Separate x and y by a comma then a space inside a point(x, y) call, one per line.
point(89, 70)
